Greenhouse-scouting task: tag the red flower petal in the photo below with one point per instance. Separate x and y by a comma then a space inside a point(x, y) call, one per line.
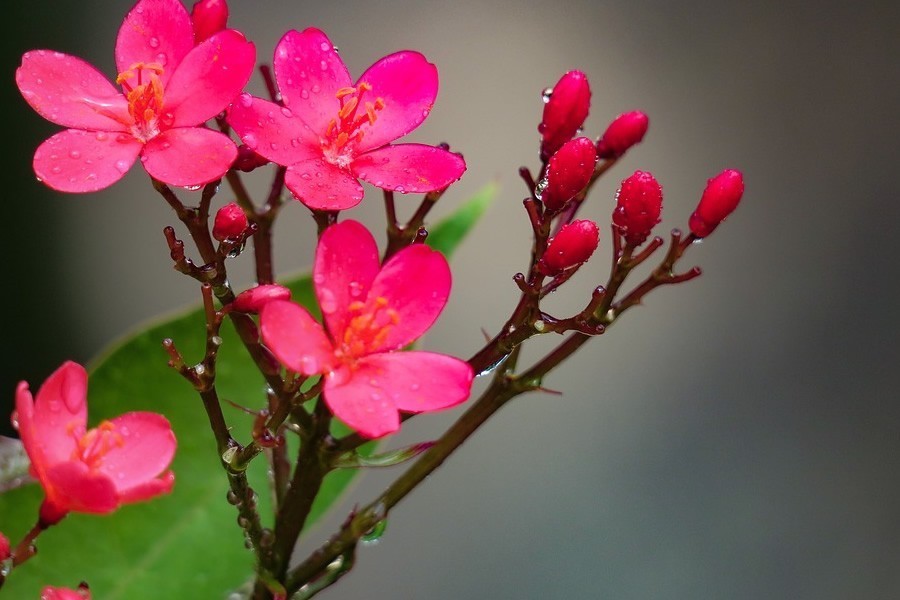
point(85, 161)
point(415, 283)
point(151, 488)
point(155, 31)
point(408, 84)
point(409, 167)
point(309, 72)
point(363, 406)
point(72, 486)
point(146, 448)
point(346, 264)
point(70, 92)
point(419, 381)
point(295, 338)
point(209, 78)
point(188, 156)
point(323, 186)
point(274, 132)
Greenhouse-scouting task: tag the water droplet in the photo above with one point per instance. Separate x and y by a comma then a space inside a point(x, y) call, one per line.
point(273, 146)
point(194, 188)
point(101, 136)
point(373, 535)
point(327, 300)
point(547, 94)
point(122, 166)
point(154, 42)
point(306, 176)
point(309, 364)
point(75, 154)
point(316, 89)
point(425, 113)
point(400, 189)
point(325, 46)
point(356, 289)
point(56, 170)
point(286, 112)
point(246, 100)
point(304, 94)
point(199, 370)
point(323, 65)
point(14, 420)
point(540, 187)
point(250, 141)
point(415, 387)
point(539, 326)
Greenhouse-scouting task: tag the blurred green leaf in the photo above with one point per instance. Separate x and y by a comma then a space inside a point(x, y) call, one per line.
point(187, 544)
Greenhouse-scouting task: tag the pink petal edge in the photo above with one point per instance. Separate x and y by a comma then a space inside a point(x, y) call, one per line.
point(420, 381)
point(295, 338)
point(155, 31)
point(416, 168)
point(365, 408)
point(322, 186)
point(188, 156)
point(85, 161)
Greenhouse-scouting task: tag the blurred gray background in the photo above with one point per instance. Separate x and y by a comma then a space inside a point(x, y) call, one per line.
point(737, 437)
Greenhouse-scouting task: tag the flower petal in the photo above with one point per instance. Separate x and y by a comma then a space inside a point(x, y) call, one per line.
point(420, 381)
point(146, 449)
point(274, 132)
point(323, 186)
point(408, 84)
point(70, 92)
point(295, 338)
point(309, 73)
point(345, 266)
point(72, 486)
point(209, 78)
point(415, 285)
point(362, 406)
point(155, 31)
point(188, 156)
point(85, 161)
point(409, 168)
point(148, 489)
point(47, 425)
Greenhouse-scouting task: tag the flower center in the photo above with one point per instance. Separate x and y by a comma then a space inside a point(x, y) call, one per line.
point(91, 447)
point(144, 92)
point(367, 329)
point(346, 131)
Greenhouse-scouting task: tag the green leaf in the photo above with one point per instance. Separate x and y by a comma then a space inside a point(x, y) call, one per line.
point(447, 234)
point(187, 544)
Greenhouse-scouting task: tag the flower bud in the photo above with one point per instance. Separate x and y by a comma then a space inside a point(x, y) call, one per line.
point(58, 593)
point(571, 247)
point(230, 222)
point(252, 300)
point(247, 159)
point(625, 131)
point(720, 198)
point(638, 206)
point(4, 547)
point(564, 112)
point(208, 17)
point(568, 172)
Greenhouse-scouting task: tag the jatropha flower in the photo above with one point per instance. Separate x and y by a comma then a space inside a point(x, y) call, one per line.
point(566, 108)
point(571, 247)
point(122, 460)
point(331, 132)
point(58, 593)
point(569, 171)
point(371, 311)
point(625, 131)
point(170, 88)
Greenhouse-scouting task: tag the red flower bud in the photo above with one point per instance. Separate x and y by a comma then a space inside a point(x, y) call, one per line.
point(565, 110)
point(252, 300)
point(720, 198)
point(568, 172)
point(4, 547)
point(247, 159)
point(638, 205)
point(230, 222)
point(571, 247)
point(208, 17)
point(625, 131)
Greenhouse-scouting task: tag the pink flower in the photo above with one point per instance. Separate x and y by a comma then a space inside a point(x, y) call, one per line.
point(370, 312)
point(625, 131)
point(54, 593)
point(170, 89)
point(230, 222)
point(569, 171)
point(331, 133)
point(93, 471)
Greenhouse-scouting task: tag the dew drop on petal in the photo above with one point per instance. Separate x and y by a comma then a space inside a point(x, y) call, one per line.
point(355, 289)
point(56, 170)
point(102, 136)
point(304, 94)
point(547, 94)
point(250, 141)
point(327, 300)
point(323, 65)
point(286, 112)
point(122, 166)
point(154, 42)
point(325, 47)
point(316, 89)
point(75, 154)
point(246, 100)
point(309, 364)
point(306, 176)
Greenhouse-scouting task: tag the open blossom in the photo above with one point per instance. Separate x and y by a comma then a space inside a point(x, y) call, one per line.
point(170, 88)
point(371, 311)
point(331, 132)
point(122, 460)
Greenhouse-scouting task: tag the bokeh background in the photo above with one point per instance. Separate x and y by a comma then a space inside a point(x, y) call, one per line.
point(737, 437)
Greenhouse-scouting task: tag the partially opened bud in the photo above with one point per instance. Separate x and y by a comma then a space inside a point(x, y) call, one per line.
point(638, 206)
point(208, 18)
point(571, 247)
point(54, 593)
point(4, 547)
point(565, 111)
point(230, 223)
point(252, 300)
point(721, 196)
point(625, 131)
point(568, 172)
